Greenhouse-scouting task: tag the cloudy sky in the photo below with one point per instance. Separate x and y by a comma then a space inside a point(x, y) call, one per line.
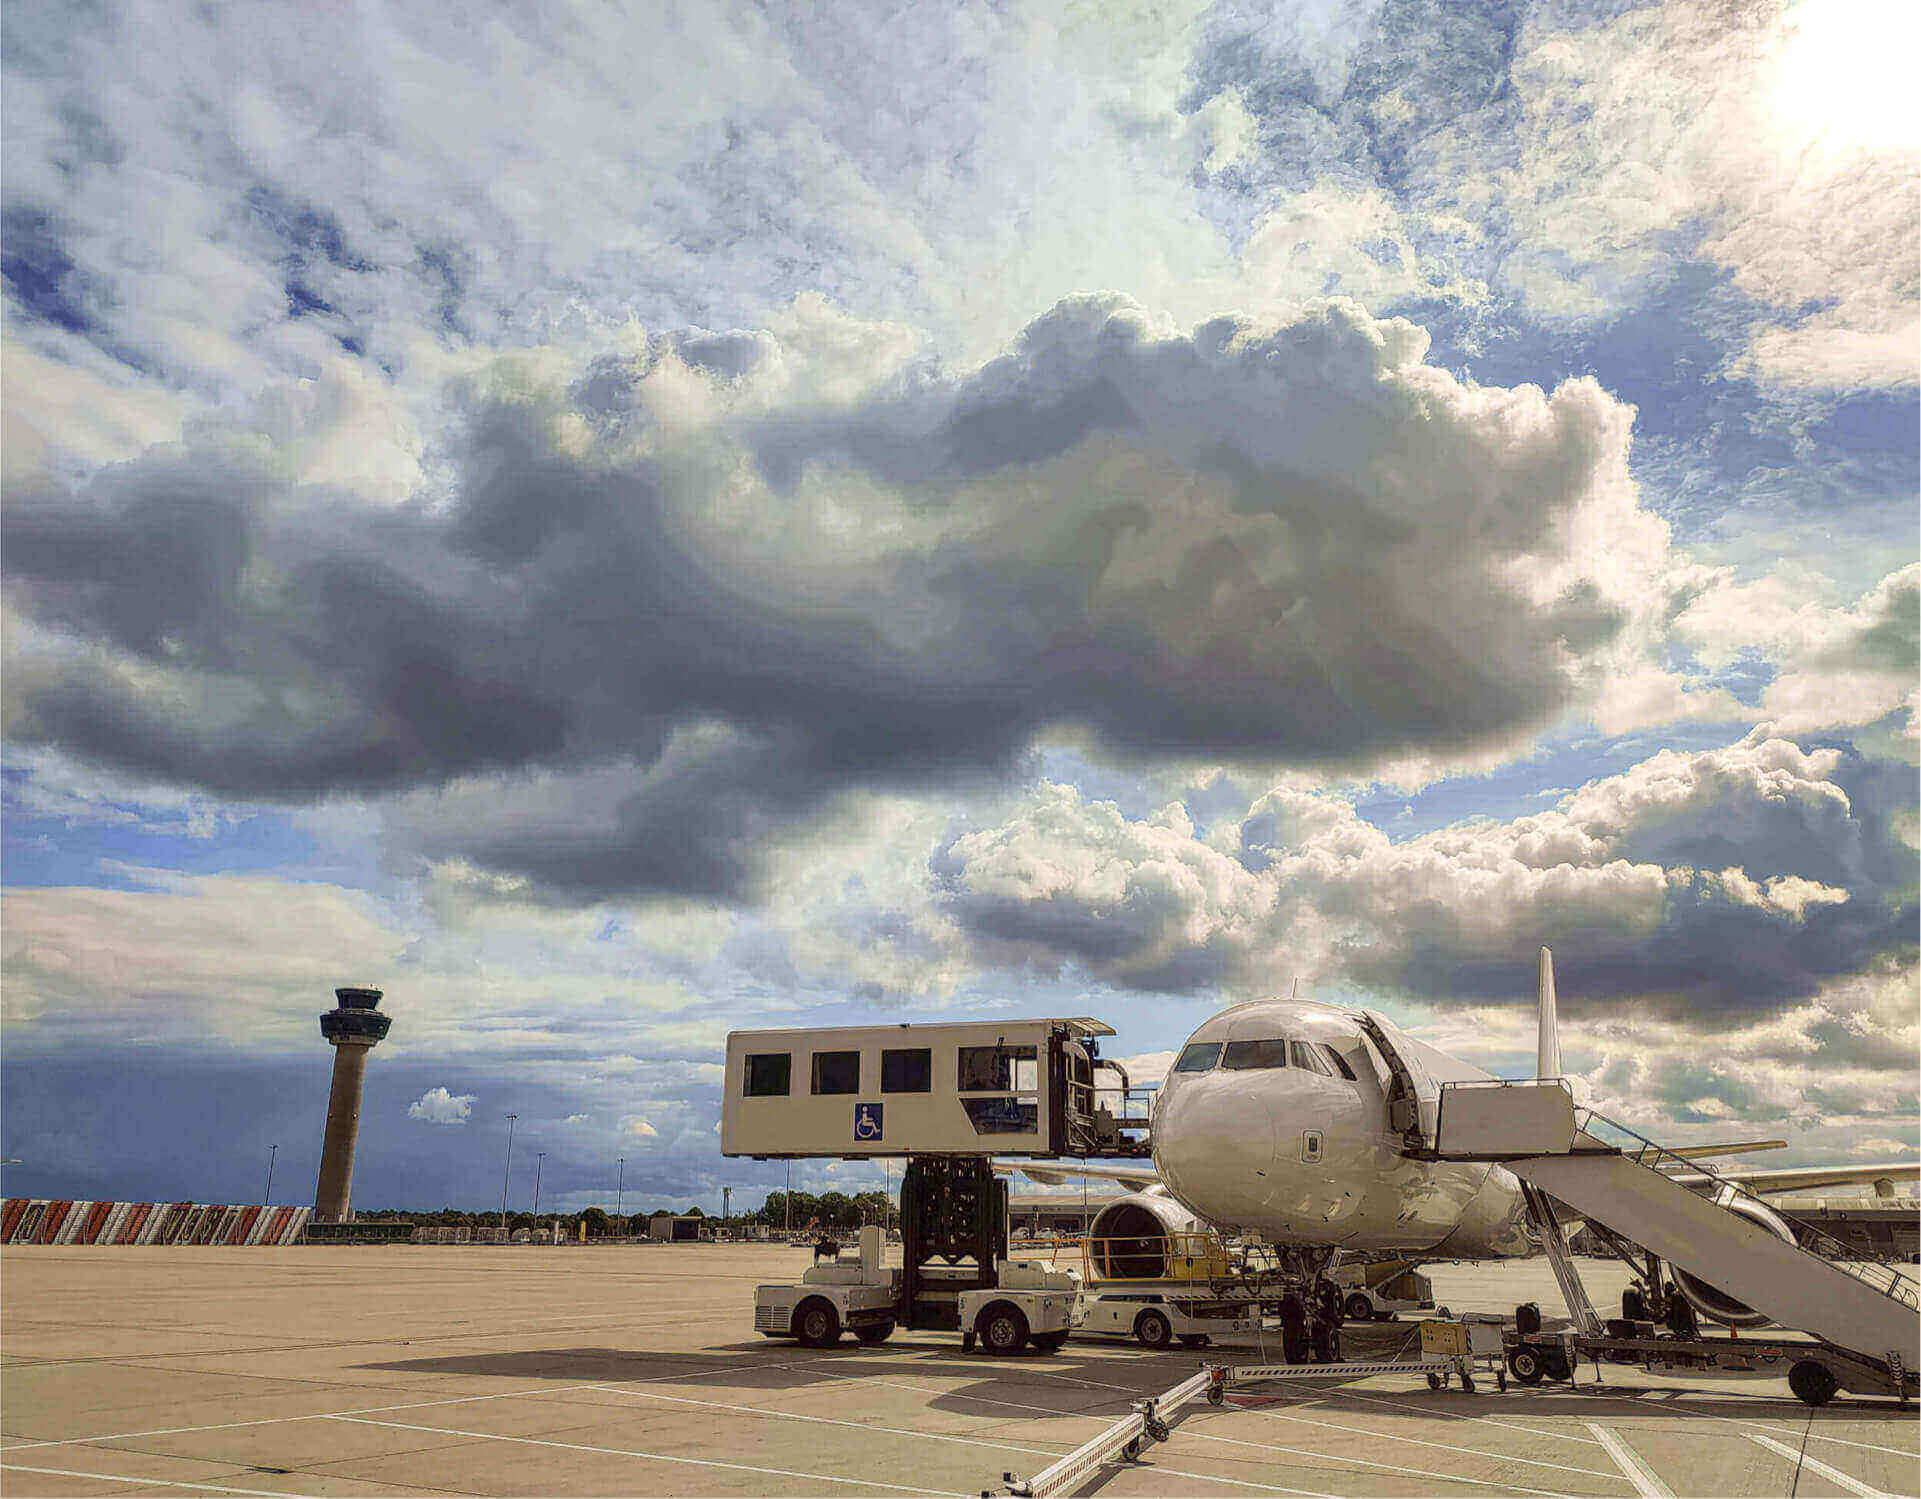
point(620, 527)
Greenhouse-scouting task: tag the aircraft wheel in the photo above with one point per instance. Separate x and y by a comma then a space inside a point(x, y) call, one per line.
point(816, 1323)
point(1812, 1382)
point(1359, 1308)
point(1153, 1329)
point(1525, 1365)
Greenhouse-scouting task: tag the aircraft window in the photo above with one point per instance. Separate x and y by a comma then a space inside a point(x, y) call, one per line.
point(767, 1074)
point(1245, 1056)
point(1340, 1062)
point(991, 1068)
point(1306, 1056)
point(910, 1071)
point(1199, 1057)
point(836, 1072)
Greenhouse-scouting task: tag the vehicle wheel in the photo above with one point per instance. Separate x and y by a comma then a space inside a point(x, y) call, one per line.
point(1153, 1329)
point(1467, 1384)
point(1003, 1330)
point(1435, 1381)
point(1554, 1364)
point(1195, 1340)
point(1525, 1364)
point(1048, 1342)
point(1814, 1383)
point(816, 1323)
point(1359, 1308)
point(877, 1332)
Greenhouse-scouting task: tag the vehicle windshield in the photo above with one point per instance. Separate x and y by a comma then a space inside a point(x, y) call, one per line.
point(1247, 1055)
point(1198, 1057)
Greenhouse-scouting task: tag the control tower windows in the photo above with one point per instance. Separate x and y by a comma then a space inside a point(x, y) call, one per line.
point(909, 1071)
point(836, 1072)
point(768, 1074)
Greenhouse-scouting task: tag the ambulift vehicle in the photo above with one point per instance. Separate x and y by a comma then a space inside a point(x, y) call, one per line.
point(955, 1274)
point(1157, 1290)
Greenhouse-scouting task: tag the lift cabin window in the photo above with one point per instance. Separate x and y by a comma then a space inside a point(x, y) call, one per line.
point(1199, 1057)
point(1247, 1056)
point(910, 1071)
point(767, 1074)
point(998, 1069)
point(837, 1072)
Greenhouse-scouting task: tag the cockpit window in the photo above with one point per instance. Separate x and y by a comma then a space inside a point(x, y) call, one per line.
point(1245, 1056)
point(1306, 1056)
point(1198, 1057)
point(1340, 1062)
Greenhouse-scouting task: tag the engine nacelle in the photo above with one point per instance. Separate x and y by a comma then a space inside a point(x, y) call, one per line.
point(1128, 1239)
point(1714, 1303)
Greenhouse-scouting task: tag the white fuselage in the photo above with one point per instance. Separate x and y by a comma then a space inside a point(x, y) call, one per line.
point(1304, 1155)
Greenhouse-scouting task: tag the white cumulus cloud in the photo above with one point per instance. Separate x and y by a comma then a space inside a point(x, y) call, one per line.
point(438, 1106)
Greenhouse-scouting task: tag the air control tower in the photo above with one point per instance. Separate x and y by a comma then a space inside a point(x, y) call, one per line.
point(354, 1027)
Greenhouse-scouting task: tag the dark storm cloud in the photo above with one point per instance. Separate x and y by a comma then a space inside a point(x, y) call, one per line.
point(1297, 540)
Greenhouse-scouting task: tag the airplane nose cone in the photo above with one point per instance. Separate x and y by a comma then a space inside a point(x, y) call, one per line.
point(1214, 1145)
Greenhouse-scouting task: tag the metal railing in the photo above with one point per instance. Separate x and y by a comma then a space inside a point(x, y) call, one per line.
point(1644, 1152)
point(1196, 1256)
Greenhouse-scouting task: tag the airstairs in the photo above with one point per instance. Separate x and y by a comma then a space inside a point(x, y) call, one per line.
point(1607, 1172)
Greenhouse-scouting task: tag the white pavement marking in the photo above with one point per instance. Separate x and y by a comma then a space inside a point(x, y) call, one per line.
point(1388, 1436)
point(376, 1410)
point(152, 1483)
point(1815, 1465)
point(1646, 1482)
point(779, 1415)
point(1339, 1461)
point(652, 1457)
point(1812, 1435)
point(1372, 1399)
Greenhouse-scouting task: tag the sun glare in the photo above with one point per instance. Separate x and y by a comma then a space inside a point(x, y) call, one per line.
point(1846, 75)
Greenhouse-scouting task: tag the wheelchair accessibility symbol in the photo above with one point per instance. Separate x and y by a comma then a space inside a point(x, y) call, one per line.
point(867, 1121)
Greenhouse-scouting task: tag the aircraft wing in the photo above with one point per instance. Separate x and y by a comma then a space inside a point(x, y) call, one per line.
point(1137, 1178)
point(1803, 1178)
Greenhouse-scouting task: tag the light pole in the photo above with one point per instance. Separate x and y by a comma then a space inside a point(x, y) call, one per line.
point(787, 1201)
point(539, 1156)
point(504, 1175)
point(620, 1185)
point(726, 1197)
point(266, 1197)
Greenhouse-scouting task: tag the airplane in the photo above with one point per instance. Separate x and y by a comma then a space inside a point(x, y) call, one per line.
point(1296, 1122)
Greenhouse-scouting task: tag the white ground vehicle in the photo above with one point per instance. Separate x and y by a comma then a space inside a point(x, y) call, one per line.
point(1032, 1303)
point(1375, 1292)
point(1156, 1318)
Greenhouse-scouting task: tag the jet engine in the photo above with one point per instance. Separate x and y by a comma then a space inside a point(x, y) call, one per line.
point(1714, 1303)
point(1128, 1239)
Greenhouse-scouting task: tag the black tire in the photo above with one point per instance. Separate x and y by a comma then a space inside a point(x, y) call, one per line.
point(816, 1323)
point(1359, 1308)
point(1195, 1340)
point(1047, 1342)
point(1524, 1363)
point(876, 1332)
point(1554, 1364)
point(1153, 1330)
point(1467, 1384)
point(1436, 1381)
point(1813, 1383)
point(1002, 1329)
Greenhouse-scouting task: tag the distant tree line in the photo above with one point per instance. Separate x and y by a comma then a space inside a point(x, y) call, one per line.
point(828, 1210)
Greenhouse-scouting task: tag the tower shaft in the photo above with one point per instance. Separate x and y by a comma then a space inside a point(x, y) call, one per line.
point(333, 1196)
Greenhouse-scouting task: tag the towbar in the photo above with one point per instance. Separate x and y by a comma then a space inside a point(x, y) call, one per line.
point(1147, 1421)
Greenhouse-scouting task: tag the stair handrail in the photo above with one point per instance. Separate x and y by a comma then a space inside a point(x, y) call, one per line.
point(1873, 1272)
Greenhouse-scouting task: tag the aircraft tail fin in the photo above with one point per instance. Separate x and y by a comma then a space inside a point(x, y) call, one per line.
point(1547, 1055)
